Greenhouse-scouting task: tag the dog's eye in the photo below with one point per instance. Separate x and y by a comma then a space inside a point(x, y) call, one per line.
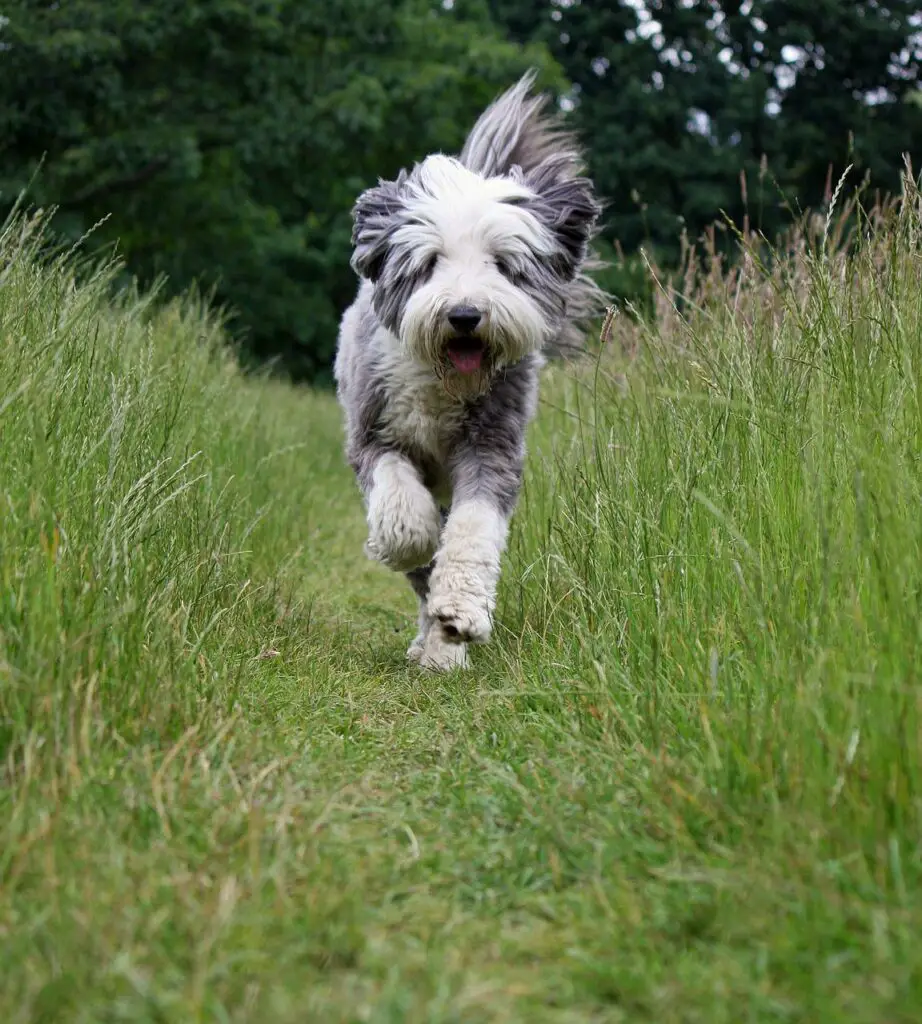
point(504, 267)
point(428, 268)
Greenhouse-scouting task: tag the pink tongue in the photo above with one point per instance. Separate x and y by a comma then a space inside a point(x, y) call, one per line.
point(466, 360)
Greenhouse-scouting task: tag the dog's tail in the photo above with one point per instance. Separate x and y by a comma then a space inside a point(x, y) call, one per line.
point(518, 131)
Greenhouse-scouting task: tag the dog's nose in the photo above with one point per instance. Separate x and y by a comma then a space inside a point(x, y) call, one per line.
point(464, 319)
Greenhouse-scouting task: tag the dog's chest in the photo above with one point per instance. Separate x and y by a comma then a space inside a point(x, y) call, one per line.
point(419, 415)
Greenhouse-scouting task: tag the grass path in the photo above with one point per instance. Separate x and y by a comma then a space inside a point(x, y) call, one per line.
point(683, 784)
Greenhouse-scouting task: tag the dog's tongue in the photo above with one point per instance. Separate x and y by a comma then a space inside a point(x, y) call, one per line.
point(465, 359)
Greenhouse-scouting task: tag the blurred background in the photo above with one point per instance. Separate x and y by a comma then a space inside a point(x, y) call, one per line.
point(223, 142)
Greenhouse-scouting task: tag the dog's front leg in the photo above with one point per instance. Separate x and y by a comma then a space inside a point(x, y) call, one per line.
point(404, 521)
point(429, 648)
point(462, 589)
point(485, 468)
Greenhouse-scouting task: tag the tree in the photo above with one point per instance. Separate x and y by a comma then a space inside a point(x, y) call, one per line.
point(842, 73)
point(679, 98)
point(226, 140)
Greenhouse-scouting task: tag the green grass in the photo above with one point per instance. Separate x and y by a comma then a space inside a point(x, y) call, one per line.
point(684, 783)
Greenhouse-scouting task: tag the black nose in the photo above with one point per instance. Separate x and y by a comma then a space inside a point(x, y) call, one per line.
point(464, 319)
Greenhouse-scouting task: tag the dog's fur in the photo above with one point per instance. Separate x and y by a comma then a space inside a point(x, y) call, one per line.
point(436, 418)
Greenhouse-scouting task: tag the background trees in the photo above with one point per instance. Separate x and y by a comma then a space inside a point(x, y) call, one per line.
point(678, 97)
point(225, 140)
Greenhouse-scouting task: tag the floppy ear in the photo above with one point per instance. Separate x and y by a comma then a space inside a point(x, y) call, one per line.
point(374, 216)
point(569, 210)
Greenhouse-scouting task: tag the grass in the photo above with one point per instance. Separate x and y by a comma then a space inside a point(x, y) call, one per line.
point(684, 783)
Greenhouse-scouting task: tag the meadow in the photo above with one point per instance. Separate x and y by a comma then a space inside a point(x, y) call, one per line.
point(684, 784)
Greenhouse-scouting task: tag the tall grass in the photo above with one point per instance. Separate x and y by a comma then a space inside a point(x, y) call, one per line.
point(122, 544)
point(683, 784)
point(737, 529)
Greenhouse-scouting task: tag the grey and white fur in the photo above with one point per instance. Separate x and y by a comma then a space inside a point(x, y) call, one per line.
point(473, 270)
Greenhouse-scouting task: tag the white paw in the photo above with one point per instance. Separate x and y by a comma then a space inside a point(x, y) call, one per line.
point(415, 650)
point(439, 656)
point(403, 527)
point(462, 613)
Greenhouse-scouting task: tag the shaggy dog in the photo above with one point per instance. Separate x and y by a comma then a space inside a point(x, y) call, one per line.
point(472, 272)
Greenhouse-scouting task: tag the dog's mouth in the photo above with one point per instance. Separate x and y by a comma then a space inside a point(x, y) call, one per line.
point(466, 354)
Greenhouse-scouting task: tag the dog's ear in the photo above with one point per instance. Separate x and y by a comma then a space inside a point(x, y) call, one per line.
point(373, 220)
point(569, 209)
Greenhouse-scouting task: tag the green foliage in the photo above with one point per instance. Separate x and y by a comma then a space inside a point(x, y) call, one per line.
point(226, 141)
point(682, 786)
point(626, 278)
point(696, 109)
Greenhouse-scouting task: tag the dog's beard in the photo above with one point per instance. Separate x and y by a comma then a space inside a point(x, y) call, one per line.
point(467, 353)
point(466, 364)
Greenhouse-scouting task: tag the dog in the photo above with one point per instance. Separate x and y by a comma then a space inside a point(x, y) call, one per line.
point(473, 270)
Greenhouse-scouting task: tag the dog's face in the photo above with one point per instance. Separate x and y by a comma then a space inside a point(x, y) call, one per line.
point(471, 272)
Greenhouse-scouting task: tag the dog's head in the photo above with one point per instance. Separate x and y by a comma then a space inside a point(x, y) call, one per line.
point(472, 272)
point(476, 262)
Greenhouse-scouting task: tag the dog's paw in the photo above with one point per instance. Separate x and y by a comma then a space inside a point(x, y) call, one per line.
point(403, 529)
point(415, 650)
point(438, 656)
point(463, 617)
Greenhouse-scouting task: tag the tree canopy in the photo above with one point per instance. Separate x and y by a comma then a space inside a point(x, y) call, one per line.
point(679, 98)
point(225, 141)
